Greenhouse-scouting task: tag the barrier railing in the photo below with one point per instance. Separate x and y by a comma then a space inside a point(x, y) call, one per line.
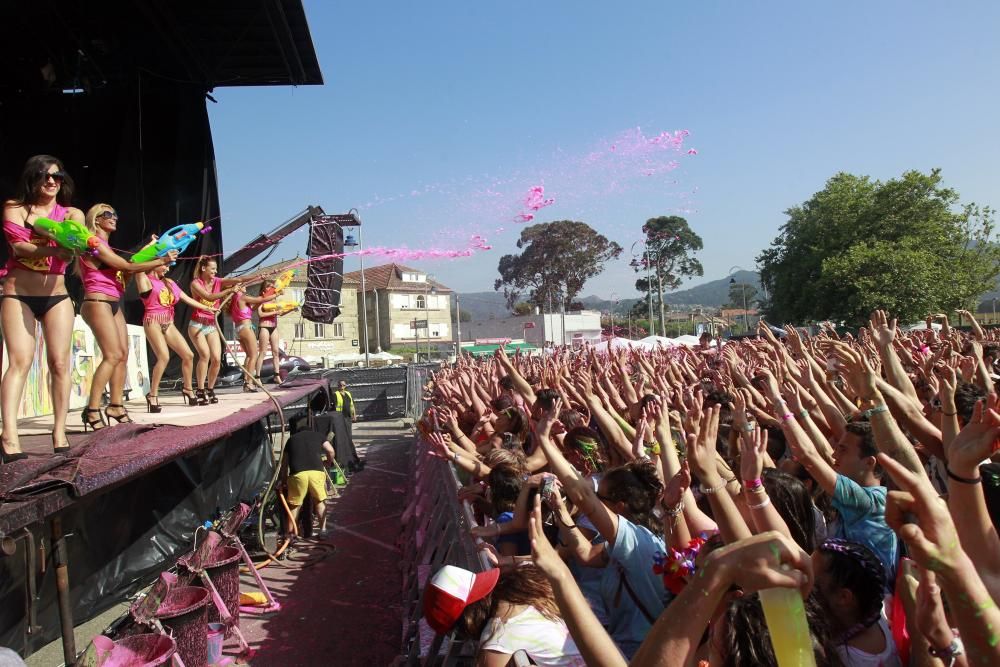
point(435, 532)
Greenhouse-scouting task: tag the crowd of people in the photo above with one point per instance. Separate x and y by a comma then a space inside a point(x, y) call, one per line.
point(635, 503)
point(35, 297)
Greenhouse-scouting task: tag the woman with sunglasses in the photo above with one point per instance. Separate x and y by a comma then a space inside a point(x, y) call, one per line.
point(266, 338)
point(159, 297)
point(34, 291)
point(104, 276)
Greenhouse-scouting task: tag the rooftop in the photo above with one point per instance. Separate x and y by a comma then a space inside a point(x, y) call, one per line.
point(390, 277)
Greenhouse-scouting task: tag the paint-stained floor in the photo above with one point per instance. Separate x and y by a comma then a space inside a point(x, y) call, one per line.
point(342, 608)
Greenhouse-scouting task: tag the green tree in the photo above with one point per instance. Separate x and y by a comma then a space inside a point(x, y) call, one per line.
point(557, 260)
point(523, 308)
point(740, 294)
point(669, 257)
point(906, 245)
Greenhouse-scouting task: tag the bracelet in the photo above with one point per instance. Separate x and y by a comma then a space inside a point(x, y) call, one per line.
point(963, 480)
point(803, 413)
point(750, 485)
point(674, 511)
point(454, 457)
point(750, 426)
point(875, 410)
point(948, 414)
point(716, 489)
point(787, 416)
point(764, 503)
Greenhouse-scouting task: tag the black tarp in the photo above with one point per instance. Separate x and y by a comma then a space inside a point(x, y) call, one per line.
point(121, 540)
point(324, 277)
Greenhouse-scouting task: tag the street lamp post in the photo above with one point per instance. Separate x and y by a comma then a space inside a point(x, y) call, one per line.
point(428, 293)
point(649, 280)
point(353, 219)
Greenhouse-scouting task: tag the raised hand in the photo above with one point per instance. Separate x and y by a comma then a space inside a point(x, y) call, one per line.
point(977, 441)
point(767, 560)
point(753, 447)
point(883, 330)
point(701, 448)
point(674, 491)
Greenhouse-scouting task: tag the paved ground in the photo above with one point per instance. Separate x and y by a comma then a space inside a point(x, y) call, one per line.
point(341, 606)
point(343, 609)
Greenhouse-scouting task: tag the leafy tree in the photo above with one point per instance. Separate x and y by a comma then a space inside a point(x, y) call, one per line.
point(906, 245)
point(557, 260)
point(740, 293)
point(523, 308)
point(464, 315)
point(669, 256)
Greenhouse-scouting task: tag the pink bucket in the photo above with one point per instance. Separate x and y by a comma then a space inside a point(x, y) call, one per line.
point(146, 650)
point(183, 613)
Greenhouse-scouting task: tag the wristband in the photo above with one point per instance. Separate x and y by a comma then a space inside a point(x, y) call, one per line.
point(750, 485)
point(963, 480)
point(714, 489)
point(803, 413)
point(761, 505)
point(750, 426)
point(787, 417)
point(875, 410)
point(674, 511)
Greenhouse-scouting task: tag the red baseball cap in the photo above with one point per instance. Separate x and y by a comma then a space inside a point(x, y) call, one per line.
point(451, 590)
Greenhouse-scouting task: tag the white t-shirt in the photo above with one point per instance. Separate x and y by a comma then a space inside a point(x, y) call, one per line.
point(889, 657)
point(547, 642)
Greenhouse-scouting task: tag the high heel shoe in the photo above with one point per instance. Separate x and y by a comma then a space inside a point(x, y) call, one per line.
point(210, 393)
point(152, 406)
point(59, 449)
point(190, 397)
point(10, 458)
point(201, 397)
point(249, 388)
point(94, 424)
point(123, 418)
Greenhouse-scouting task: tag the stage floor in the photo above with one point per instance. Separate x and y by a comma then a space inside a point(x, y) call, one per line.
point(36, 432)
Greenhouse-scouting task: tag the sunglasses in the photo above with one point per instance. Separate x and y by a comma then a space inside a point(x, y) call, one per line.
point(107, 215)
point(57, 176)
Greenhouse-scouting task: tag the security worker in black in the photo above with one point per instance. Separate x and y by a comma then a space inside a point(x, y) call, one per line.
point(343, 417)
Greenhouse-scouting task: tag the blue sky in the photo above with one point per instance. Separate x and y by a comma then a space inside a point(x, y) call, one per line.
point(446, 99)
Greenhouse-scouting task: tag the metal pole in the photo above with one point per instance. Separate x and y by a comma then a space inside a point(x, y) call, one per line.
point(378, 327)
point(62, 592)
point(458, 322)
point(659, 293)
point(427, 319)
point(364, 299)
point(649, 290)
point(746, 321)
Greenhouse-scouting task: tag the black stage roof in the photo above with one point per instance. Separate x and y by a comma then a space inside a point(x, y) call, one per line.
point(62, 45)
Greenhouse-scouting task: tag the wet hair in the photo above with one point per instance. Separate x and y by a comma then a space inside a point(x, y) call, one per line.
point(523, 585)
point(856, 567)
point(505, 486)
point(636, 485)
point(571, 419)
point(513, 458)
point(33, 177)
point(585, 451)
point(866, 447)
point(966, 396)
point(506, 382)
point(792, 501)
point(747, 641)
point(776, 443)
point(546, 398)
point(501, 403)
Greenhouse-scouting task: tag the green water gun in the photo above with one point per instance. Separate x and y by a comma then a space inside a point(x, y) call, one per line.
point(69, 234)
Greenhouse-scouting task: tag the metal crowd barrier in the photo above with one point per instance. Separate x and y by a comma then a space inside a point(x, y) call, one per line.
point(435, 532)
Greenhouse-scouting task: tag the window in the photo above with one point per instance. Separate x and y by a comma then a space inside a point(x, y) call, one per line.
point(300, 330)
point(319, 330)
point(421, 302)
point(338, 329)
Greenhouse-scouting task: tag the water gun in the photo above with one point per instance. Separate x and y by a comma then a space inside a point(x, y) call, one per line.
point(284, 280)
point(177, 238)
point(69, 234)
point(278, 307)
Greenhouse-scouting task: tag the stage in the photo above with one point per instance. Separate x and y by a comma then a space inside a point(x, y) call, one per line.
point(127, 500)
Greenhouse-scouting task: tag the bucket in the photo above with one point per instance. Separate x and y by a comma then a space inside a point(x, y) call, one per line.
point(146, 650)
point(216, 637)
point(223, 568)
point(183, 613)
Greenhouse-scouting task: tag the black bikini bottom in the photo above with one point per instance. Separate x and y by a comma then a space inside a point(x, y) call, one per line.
point(39, 305)
point(115, 305)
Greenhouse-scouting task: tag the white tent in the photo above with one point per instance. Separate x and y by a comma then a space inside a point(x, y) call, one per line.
point(653, 342)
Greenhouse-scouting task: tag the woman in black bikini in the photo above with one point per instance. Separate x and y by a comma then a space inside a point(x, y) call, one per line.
point(104, 277)
point(268, 323)
point(34, 291)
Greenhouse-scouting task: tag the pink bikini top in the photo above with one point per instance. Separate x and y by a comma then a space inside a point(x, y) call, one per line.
point(238, 313)
point(162, 298)
point(207, 315)
point(106, 281)
point(18, 233)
